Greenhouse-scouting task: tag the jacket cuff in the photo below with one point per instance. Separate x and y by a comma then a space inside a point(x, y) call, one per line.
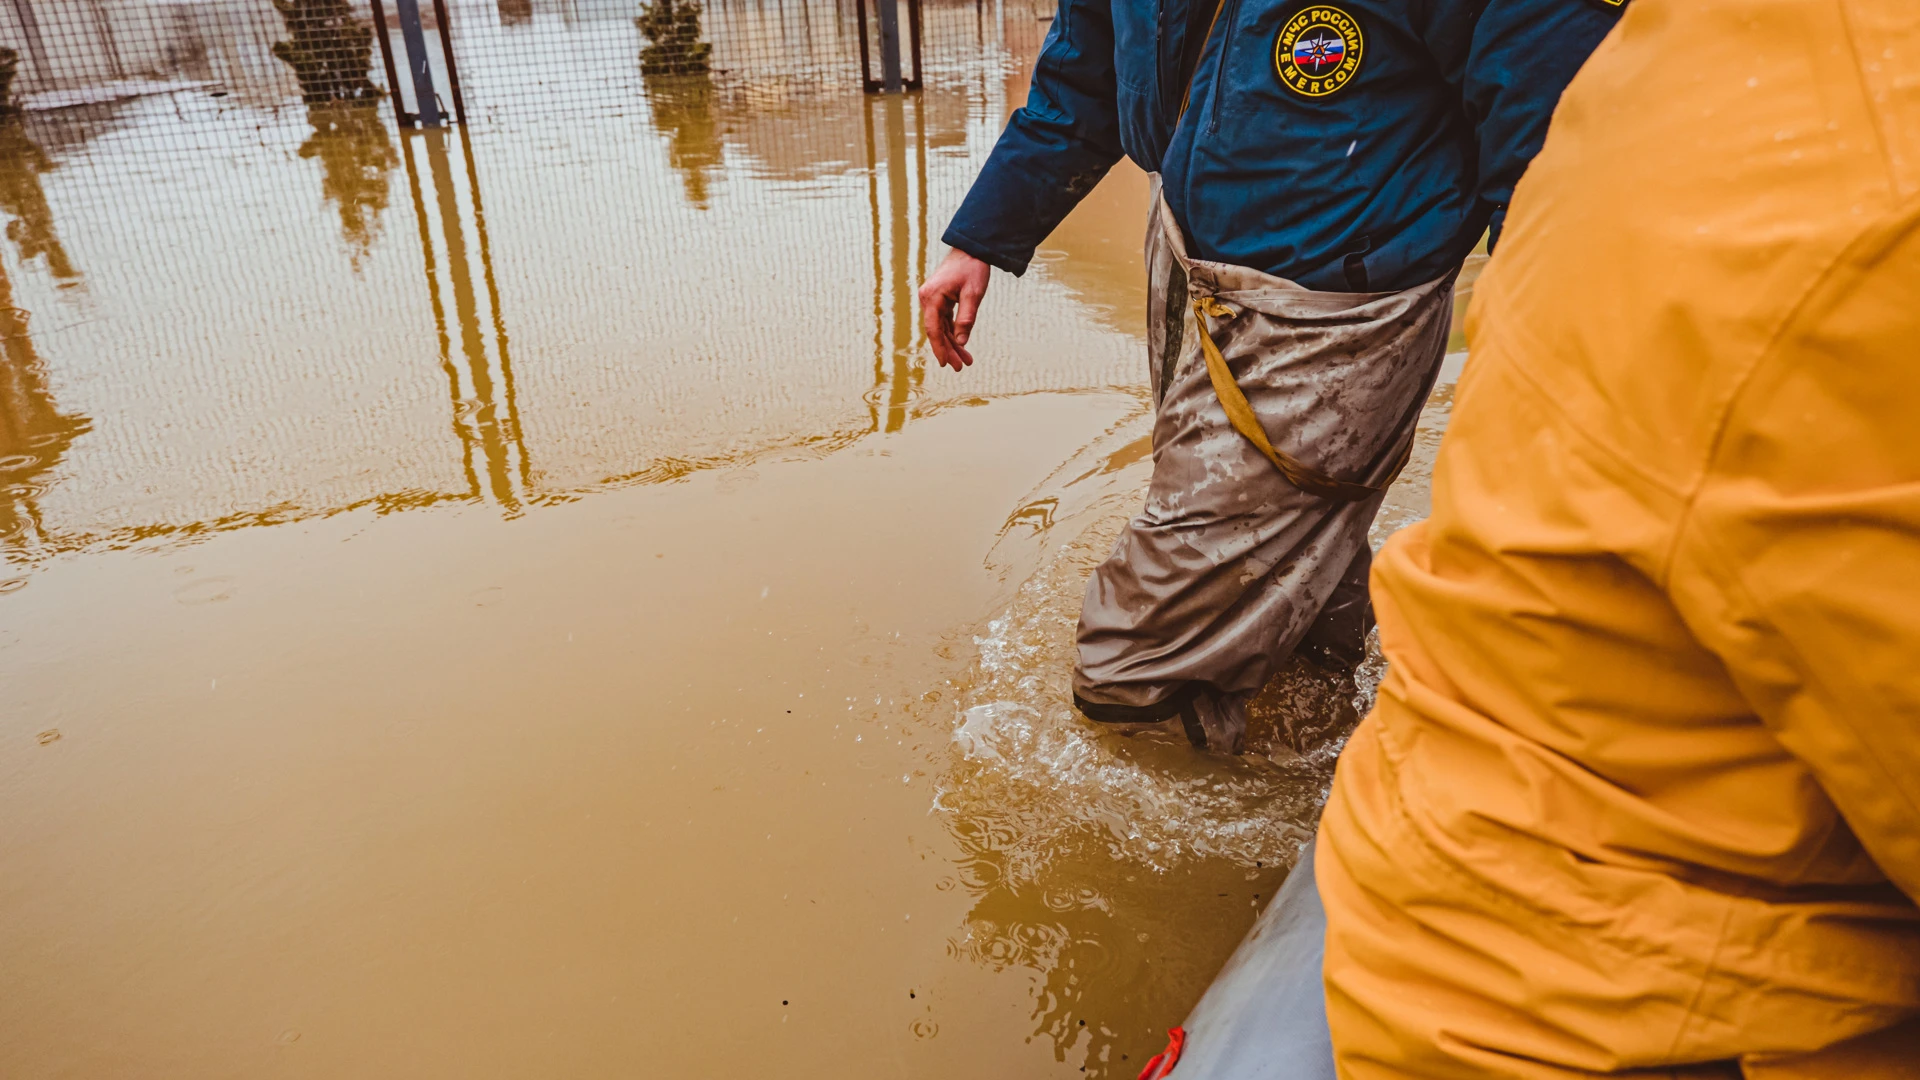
point(956, 239)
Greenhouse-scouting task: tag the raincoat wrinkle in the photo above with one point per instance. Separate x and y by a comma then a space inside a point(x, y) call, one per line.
point(1641, 790)
point(1230, 562)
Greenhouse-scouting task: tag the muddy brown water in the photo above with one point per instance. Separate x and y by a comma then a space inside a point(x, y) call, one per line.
point(524, 605)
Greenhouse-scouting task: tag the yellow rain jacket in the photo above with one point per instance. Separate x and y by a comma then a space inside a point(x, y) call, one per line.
point(1642, 788)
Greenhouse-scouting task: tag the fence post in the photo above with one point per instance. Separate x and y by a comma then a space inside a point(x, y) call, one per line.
point(913, 23)
point(453, 66)
point(425, 104)
point(36, 47)
point(890, 45)
point(393, 74)
point(866, 64)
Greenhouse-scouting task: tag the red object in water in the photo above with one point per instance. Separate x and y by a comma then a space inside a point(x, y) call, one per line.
point(1162, 1063)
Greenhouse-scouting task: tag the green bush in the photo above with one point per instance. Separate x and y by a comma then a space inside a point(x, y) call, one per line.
point(330, 51)
point(673, 39)
point(9, 67)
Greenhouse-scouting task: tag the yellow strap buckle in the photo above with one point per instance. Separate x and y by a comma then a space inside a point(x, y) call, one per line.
point(1240, 415)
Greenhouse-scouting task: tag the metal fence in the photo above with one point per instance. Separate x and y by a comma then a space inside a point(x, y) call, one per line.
point(225, 260)
point(227, 61)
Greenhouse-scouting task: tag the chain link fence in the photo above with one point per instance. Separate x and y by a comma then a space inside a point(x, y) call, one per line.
point(235, 63)
point(665, 236)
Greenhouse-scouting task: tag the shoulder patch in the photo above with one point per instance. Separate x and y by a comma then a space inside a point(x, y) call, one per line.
point(1318, 50)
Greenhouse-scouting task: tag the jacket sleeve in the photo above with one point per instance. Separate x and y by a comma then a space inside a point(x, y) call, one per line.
point(1797, 563)
point(1523, 54)
point(1055, 148)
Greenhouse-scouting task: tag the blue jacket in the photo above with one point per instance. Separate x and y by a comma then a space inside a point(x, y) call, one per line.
point(1348, 145)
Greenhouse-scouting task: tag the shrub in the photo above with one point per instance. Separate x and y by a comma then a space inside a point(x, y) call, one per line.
point(9, 67)
point(330, 50)
point(673, 44)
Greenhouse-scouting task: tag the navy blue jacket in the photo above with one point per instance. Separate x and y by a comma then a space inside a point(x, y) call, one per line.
point(1348, 145)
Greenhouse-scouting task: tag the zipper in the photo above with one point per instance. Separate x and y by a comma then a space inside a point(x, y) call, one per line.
point(1186, 94)
point(1220, 72)
point(1160, 79)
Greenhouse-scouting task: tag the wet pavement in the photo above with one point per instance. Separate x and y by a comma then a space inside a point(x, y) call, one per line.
point(522, 603)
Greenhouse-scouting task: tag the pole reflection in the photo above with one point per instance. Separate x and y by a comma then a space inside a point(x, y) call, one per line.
point(34, 434)
point(898, 371)
point(486, 416)
point(24, 200)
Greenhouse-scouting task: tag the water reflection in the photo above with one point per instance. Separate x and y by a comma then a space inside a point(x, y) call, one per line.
point(272, 386)
point(24, 201)
point(486, 415)
point(683, 111)
point(1121, 871)
point(601, 376)
point(34, 433)
point(899, 255)
point(1120, 952)
point(356, 154)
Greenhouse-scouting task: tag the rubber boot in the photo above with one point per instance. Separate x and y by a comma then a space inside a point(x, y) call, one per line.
point(1216, 722)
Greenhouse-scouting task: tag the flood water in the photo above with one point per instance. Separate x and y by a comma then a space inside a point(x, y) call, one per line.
point(522, 603)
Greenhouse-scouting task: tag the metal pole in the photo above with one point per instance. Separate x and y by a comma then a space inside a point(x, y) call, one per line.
point(879, 274)
point(913, 25)
point(890, 45)
point(393, 74)
point(425, 104)
point(446, 53)
point(866, 65)
point(36, 46)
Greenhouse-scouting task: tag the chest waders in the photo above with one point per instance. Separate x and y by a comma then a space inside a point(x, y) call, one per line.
point(1282, 415)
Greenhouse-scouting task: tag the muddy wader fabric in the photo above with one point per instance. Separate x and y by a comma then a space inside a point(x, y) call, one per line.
point(1641, 792)
point(1240, 545)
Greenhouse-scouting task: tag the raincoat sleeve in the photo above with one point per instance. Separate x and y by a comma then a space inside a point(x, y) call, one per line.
point(1055, 148)
point(1523, 54)
point(1799, 562)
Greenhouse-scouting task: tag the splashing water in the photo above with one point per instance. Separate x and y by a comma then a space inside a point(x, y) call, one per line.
point(1116, 870)
point(1031, 781)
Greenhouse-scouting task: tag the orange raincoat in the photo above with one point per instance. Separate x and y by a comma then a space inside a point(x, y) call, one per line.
point(1642, 788)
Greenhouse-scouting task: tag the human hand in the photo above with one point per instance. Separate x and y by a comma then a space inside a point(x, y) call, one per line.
point(958, 282)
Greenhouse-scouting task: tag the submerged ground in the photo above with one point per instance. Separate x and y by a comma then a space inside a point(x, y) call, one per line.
point(522, 604)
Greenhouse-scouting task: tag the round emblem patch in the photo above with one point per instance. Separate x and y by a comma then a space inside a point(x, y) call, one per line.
point(1318, 50)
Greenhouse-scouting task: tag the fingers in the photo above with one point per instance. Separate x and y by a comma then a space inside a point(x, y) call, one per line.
point(970, 293)
point(960, 280)
point(936, 309)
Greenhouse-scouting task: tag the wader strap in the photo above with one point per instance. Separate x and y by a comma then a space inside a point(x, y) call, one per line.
point(1186, 95)
point(1240, 415)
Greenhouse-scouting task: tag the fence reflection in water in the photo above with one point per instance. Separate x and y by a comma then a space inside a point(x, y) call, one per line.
point(251, 307)
point(669, 323)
